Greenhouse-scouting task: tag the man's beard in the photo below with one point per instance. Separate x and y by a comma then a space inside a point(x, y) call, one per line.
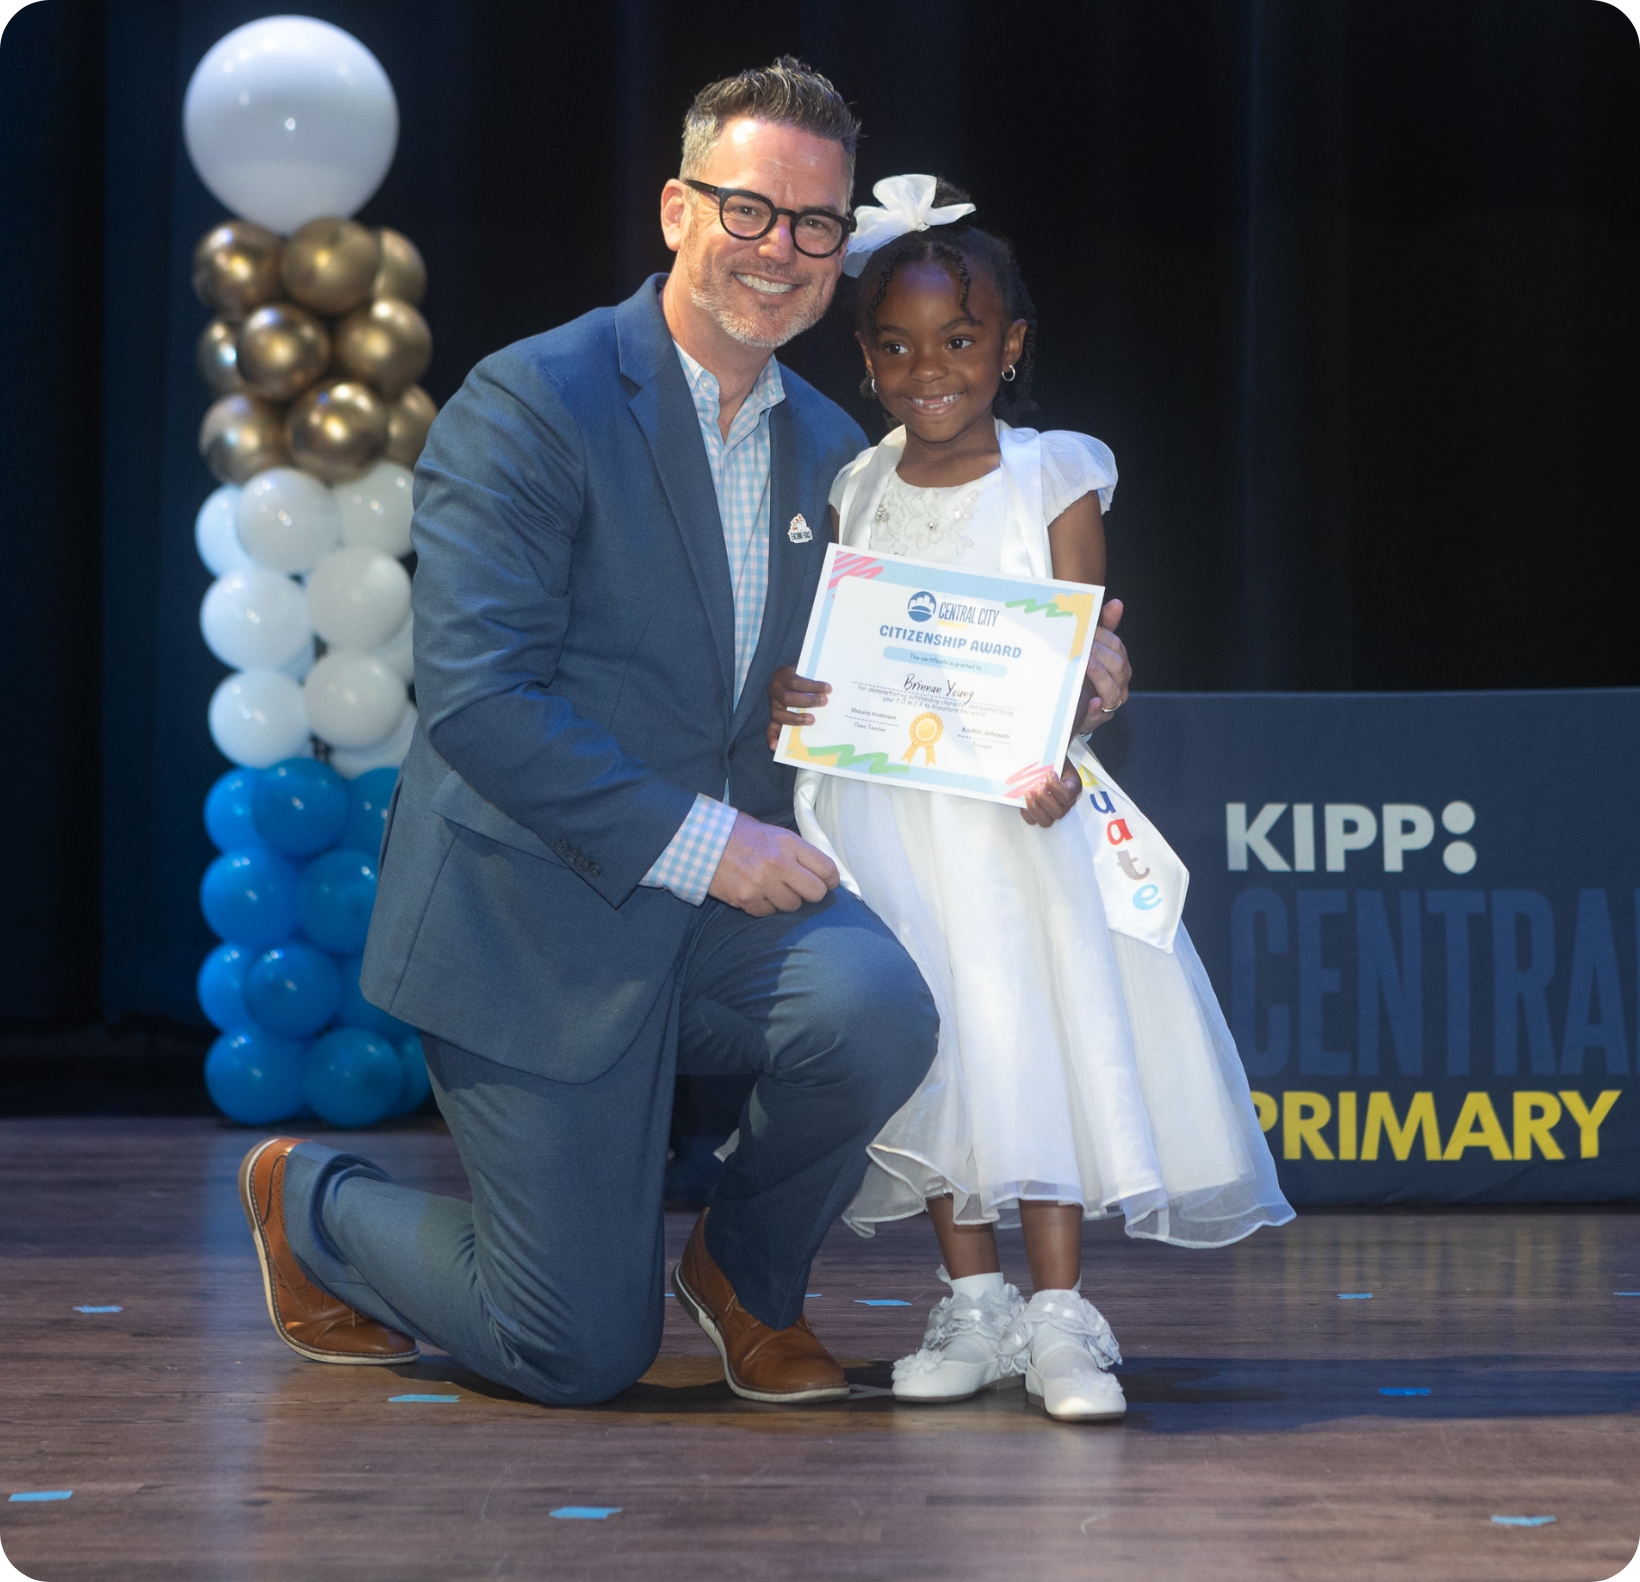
point(712, 293)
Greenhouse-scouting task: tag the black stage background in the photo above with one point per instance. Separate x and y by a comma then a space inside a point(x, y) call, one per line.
point(1349, 288)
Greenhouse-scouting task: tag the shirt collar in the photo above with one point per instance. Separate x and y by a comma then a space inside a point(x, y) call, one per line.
point(766, 392)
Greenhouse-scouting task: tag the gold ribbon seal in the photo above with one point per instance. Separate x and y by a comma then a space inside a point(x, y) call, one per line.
point(926, 729)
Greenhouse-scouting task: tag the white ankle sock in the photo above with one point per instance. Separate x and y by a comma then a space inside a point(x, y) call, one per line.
point(978, 1285)
point(1072, 1291)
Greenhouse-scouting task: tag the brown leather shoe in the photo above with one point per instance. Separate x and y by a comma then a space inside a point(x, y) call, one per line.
point(762, 1364)
point(309, 1320)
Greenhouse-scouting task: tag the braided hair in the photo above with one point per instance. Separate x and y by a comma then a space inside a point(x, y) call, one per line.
point(962, 250)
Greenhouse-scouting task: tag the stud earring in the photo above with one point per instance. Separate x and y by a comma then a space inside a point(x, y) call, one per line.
point(1009, 374)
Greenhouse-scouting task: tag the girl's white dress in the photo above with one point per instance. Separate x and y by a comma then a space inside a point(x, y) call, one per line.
point(1074, 1064)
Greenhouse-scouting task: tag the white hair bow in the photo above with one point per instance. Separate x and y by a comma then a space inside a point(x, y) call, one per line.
point(907, 205)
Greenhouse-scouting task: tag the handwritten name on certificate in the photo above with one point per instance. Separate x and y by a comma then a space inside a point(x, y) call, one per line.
point(942, 679)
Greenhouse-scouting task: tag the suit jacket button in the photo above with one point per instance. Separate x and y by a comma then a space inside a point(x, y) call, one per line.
point(594, 869)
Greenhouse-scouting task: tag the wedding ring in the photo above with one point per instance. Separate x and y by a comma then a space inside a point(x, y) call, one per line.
point(1104, 710)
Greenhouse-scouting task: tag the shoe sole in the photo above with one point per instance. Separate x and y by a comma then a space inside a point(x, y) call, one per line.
point(259, 1239)
point(696, 1309)
point(1032, 1378)
point(1009, 1381)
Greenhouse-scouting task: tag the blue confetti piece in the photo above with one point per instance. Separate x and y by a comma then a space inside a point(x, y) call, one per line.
point(424, 1398)
point(881, 1301)
point(587, 1513)
point(1398, 1389)
point(1523, 1521)
point(1355, 1296)
point(1626, 1293)
point(44, 1494)
point(808, 1294)
point(99, 1310)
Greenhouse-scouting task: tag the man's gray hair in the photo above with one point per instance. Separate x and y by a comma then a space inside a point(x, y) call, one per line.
point(787, 93)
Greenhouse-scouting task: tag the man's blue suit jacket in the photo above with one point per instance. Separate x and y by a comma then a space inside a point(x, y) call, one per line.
point(574, 650)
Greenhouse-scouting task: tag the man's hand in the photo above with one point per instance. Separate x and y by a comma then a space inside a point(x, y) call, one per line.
point(1052, 797)
point(789, 696)
point(1105, 688)
point(765, 869)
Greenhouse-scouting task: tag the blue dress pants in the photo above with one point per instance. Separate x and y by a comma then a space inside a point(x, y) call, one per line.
point(551, 1280)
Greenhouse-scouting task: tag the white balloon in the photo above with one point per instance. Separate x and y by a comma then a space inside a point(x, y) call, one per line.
point(299, 668)
point(255, 619)
point(288, 119)
point(398, 652)
point(376, 509)
point(353, 700)
point(384, 755)
point(216, 532)
point(357, 598)
point(257, 718)
point(288, 519)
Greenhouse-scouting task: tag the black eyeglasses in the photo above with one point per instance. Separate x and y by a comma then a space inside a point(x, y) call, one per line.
point(747, 216)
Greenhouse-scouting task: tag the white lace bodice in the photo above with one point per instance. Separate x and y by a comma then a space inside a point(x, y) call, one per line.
point(965, 522)
point(941, 524)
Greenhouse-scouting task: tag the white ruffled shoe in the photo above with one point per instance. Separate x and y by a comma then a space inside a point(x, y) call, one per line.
point(1065, 1349)
point(959, 1355)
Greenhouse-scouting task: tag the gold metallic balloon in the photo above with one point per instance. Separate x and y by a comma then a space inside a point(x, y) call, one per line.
point(338, 429)
point(217, 359)
point(242, 435)
point(282, 350)
point(236, 268)
point(402, 273)
point(408, 420)
point(387, 343)
point(330, 265)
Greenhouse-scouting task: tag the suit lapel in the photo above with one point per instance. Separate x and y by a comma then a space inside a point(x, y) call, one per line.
point(791, 459)
point(665, 411)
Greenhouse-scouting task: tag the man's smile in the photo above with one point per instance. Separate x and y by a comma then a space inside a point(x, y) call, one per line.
point(764, 285)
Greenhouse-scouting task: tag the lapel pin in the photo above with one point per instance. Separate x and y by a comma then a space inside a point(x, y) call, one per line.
point(799, 532)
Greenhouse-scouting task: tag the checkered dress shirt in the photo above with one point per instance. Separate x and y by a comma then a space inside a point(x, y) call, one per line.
point(740, 476)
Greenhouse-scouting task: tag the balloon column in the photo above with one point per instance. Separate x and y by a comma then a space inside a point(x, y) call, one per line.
point(312, 353)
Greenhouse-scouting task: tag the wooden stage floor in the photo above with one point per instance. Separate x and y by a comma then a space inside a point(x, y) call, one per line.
point(1260, 1441)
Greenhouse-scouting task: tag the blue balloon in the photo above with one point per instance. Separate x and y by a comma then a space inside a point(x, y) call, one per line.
point(292, 990)
point(248, 897)
point(334, 899)
point(357, 1011)
point(417, 1084)
point(254, 1078)
point(368, 797)
point(228, 810)
point(299, 806)
point(221, 987)
point(353, 1077)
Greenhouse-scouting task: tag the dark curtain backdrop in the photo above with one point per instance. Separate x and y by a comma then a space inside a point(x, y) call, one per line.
point(1350, 288)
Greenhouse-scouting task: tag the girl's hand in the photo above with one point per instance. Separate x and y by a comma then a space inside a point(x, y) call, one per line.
point(789, 695)
point(1052, 797)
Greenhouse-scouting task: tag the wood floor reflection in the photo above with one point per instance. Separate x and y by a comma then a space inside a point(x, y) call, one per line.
point(1260, 1442)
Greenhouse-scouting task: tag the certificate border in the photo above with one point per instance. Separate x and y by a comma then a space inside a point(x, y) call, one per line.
point(941, 576)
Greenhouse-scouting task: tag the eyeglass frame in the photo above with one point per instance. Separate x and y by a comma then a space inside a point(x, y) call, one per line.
point(723, 194)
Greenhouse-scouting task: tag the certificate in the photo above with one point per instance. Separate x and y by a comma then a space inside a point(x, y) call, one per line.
point(942, 679)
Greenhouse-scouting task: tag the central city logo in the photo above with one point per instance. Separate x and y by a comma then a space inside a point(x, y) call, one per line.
point(921, 606)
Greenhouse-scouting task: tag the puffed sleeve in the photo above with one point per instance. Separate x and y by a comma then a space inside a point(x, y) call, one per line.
point(840, 483)
point(1074, 465)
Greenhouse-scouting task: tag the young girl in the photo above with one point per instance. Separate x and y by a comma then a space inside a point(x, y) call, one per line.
point(1079, 1070)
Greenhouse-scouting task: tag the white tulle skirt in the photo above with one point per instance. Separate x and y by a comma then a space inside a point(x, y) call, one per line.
point(1075, 1065)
